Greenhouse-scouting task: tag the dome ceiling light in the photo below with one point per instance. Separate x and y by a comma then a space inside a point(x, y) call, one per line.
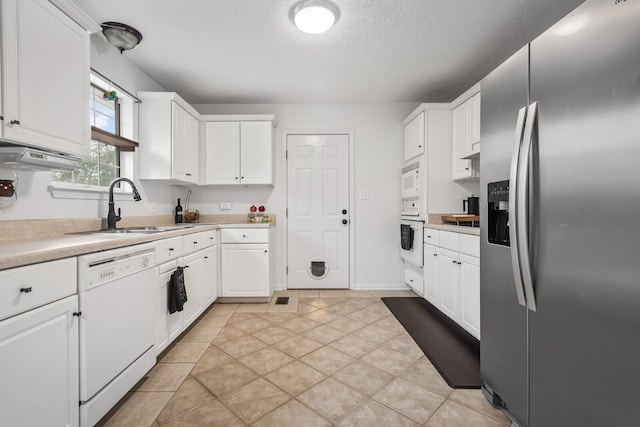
point(314, 16)
point(122, 36)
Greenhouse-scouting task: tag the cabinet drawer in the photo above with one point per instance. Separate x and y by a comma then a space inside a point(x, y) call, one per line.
point(32, 286)
point(449, 240)
point(209, 238)
point(168, 249)
point(244, 235)
point(431, 237)
point(470, 245)
point(414, 280)
point(192, 242)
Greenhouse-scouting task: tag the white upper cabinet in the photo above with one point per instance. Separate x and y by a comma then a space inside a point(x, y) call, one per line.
point(169, 138)
point(466, 136)
point(414, 137)
point(237, 150)
point(45, 78)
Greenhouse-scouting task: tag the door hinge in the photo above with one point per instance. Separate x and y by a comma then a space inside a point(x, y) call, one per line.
point(286, 212)
point(286, 154)
point(286, 270)
point(77, 313)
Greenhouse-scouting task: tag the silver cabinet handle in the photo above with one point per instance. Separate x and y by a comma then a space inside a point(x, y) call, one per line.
point(522, 205)
point(513, 213)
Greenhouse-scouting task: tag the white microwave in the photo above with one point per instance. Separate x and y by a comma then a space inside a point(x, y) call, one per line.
point(412, 185)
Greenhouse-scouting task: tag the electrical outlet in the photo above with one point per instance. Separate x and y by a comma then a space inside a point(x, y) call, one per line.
point(364, 195)
point(225, 206)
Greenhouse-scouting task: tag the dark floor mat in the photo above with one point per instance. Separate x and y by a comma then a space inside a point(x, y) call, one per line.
point(452, 350)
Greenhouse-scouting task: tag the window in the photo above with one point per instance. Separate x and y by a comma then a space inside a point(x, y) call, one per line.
point(109, 114)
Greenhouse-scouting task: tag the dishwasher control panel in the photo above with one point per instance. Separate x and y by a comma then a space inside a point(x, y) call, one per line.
point(107, 266)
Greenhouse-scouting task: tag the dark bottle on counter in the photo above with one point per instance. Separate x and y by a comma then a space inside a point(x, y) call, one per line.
point(178, 213)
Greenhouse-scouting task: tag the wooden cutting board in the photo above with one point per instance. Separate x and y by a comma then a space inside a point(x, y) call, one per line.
point(460, 218)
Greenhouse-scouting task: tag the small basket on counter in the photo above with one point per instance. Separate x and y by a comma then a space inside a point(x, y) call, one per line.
point(191, 216)
point(258, 217)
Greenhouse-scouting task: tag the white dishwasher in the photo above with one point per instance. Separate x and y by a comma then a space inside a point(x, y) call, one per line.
point(117, 325)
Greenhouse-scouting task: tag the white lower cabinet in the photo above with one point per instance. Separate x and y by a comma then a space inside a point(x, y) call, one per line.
point(168, 325)
point(245, 262)
point(413, 278)
point(452, 277)
point(209, 276)
point(193, 284)
point(39, 369)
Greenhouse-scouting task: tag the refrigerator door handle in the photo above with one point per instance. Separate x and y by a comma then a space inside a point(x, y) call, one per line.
point(513, 212)
point(523, 213)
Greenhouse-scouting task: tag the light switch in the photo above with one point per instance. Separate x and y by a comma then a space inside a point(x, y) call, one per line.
point(364, 195)
point(225, 206)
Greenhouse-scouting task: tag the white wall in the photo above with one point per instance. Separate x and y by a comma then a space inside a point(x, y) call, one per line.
point(378, 154)
point(34, 199)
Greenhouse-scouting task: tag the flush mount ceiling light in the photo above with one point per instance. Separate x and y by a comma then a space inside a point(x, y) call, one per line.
point(314, 16)
point(122, 36)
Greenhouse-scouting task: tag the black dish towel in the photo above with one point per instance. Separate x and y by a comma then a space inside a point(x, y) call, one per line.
point(406, 237)
point(177, 291)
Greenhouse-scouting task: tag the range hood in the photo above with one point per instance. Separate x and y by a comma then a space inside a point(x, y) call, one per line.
point(34, 159)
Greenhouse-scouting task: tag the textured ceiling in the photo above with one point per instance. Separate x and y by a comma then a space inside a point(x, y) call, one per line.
point(247, 51)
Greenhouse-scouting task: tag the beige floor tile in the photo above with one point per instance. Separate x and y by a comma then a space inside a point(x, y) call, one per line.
point(201, 334)
point(278, 317)
point(297, 346)
point(165, 377)
point(332, 293)
point(292, 414)
point(403, 293)
point(389, 360)
point(212, 358)
point(322, 316)
point(327, 360)
point(409, 399)
point(300, 324)
point(404, 344)
point(348, 323)
point(332, 399)
point(212, 414)
point(241, 346)
point(357, 294)
point(265, 360)
point(291, 307)
point(390, 323)
point(363, 377)
point(286, 293)
point(190, 395)
point(215, 319)
point(255, 399)
point(372, 413)
point(423, 374)
point(452, 414)
point(186, 352)
point(317, 302)
point(220, 307)
point(226, 378)
point(309, 293)
point(354, 347)
point(295, 377)
point(324, 334)
point(359, 303)
point(253, 308)
point(273, 334)
point(341, 309)
point(241, 317)
point(474, 399)
point(375, 334)
point(140, 409)
point(305, 308)
point(380, 294)
point(228, 333)
point(252, 325)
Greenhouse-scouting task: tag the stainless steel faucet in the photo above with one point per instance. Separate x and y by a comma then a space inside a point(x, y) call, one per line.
point(112, 218)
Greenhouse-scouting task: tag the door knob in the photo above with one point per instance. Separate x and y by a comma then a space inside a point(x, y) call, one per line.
point(344, 211)
point(344, 221)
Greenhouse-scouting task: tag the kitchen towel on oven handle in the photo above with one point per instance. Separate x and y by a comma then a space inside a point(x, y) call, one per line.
point(406, 237)
point(177, 291)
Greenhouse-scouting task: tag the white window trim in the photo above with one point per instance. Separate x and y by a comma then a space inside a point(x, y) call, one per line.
point(67, 190)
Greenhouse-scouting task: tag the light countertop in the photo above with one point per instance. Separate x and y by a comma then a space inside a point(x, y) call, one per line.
point(454, 228)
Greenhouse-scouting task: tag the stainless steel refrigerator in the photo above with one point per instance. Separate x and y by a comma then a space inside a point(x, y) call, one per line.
point(560, 252)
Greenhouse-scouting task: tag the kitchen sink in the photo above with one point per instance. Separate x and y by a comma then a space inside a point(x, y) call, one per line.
point(137, 230)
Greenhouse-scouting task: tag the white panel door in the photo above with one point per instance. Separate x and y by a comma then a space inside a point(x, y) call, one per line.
point(256, 152)
point(245, 270)
point(222, 147)
point(318, 206)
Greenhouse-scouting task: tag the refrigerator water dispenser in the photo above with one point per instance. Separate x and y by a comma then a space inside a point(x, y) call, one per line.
point(498, 215)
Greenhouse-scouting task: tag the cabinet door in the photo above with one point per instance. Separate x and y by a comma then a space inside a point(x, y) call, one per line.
point(168, 326)
point(45, 77)
point(414, 137)
point(470, 294)
point(222, 148)
point(449, 283)
point(193, 284)
point(461, 168)
point(245, 270)
point(39, 369)
point(256, 152)
point(184, 145)
point(210, 277)
point(431, 275)
point(474, 125)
